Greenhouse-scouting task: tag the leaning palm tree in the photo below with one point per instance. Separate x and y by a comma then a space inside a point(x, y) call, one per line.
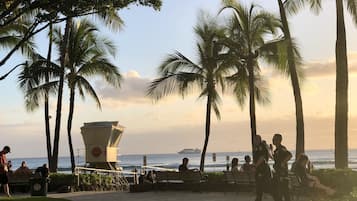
point(251, 25)
point(341, 105)
point(179, 74)
point(87, 57)
point(293, 60)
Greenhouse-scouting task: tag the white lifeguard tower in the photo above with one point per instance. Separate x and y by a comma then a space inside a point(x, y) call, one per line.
point(101, 140)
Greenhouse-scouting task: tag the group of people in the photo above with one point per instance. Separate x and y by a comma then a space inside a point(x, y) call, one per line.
point(276, 182)
point(247, 166)
point(22, 171)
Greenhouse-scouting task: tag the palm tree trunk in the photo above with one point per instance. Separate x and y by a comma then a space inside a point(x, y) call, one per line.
point(207, 132)
point(341, 106)
point(253, 126)
point(69, 128)
point(47, 116)
point(64, 45)
point(300, 134)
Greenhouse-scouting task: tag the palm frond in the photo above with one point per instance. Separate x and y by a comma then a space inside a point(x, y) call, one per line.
point(294, 6)
point(179, 83)
point(352, 8)
point(83, 83)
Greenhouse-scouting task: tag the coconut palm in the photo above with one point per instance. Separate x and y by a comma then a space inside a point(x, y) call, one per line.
point(293, 59)
point(87, 57)
point(341, 105)
point(251, 25)
point(110, 18)
point(179, 74)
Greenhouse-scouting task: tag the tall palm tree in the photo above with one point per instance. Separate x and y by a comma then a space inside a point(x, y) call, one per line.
point(293, 58)
point(253, 25)
point(341, 105)
point(87, 53)
point(110, 18)
point(179, 74)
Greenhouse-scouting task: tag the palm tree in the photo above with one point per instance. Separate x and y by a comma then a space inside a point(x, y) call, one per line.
point(11, 34)
point(293, 58)
point(87, 58)
point(179, 74)
point(110, 18)
point(341, 105)
point(252, 25)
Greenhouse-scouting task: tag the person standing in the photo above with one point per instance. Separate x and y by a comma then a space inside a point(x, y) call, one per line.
point(281, 157)
point(4, 178)
point(262, 170)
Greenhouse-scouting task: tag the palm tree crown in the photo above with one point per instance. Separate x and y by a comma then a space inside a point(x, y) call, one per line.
point(178, 74)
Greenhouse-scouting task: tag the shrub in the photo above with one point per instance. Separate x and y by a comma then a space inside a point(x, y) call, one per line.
point(341, 180)
point(86, 182)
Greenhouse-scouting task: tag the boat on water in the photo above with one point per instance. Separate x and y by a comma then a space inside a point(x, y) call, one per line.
point(190, 151)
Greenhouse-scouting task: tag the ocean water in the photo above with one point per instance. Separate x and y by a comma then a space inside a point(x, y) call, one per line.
point(320, 159)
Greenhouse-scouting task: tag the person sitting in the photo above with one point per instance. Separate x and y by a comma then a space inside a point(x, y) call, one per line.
point(150, 177)
point(306, 178)
point(9, 167)
point(23, 170)
point(247, 166)
point(183, 167)
point(234, 166)
point(42, 171)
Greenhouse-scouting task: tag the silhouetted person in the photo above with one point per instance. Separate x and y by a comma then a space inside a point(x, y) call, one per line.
point(184, 166)
point(42, 171)
point(23, 170)
point(262, 173)
point(247, 166)
point(281, 178)
point(234, 166)
point(4, 178)
point(302, 171)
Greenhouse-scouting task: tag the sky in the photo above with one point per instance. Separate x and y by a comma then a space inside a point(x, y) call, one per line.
point(174, 123)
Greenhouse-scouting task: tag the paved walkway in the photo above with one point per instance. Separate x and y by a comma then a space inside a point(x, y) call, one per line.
point(157, 196)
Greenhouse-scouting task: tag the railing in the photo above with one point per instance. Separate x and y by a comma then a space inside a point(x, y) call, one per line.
point(119, 179)
point(157, 168)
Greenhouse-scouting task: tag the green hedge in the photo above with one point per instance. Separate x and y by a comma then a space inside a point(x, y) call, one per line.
point(92, 182)
point(215, 177)
point(342, 180)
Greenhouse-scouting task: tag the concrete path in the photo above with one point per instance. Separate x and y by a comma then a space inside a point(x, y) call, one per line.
point(157, 196)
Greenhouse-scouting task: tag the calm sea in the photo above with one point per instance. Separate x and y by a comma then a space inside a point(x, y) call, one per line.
point(319, 158)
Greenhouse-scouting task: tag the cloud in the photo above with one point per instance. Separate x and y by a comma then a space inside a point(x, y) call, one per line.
point(133, 90)
point(328, 68)
point(317, 69)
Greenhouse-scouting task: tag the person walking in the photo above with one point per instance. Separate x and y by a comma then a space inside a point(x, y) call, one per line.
point(261, 156)
point(281, 180)
point(4, 178)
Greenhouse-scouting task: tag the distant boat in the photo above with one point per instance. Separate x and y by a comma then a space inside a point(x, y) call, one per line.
point(190, 151)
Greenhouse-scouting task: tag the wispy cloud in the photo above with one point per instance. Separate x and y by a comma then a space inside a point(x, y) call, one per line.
point(328, 68)
point(317, 69)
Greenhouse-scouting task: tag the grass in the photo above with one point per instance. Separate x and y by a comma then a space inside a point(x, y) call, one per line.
point(33, 199)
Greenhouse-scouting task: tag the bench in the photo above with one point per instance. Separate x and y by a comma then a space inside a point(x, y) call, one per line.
point(19, 183)
point(179, 177)
point(242, 178)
